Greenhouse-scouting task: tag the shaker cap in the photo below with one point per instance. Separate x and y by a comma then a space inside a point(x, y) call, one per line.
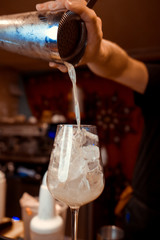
point(72, 37)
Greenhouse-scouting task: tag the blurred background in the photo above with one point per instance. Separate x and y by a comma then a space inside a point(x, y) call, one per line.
point(35, 98)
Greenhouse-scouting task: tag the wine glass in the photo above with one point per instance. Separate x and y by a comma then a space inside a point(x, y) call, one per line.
point(75, 172)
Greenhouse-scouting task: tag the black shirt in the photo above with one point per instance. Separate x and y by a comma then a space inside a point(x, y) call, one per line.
point(146, 179)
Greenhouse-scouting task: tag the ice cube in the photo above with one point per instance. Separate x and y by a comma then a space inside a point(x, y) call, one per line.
point(78, 184)
point(91, 152)
point(92, 165)
point(90, 135)
point(95, 178)
point(77, 165)
point(79, 139)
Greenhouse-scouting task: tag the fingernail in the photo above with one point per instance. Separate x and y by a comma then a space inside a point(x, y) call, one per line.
point(39, 6)
point(51, 64)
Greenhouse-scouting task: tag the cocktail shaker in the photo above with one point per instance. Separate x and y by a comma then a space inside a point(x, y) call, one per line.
point(57, 36)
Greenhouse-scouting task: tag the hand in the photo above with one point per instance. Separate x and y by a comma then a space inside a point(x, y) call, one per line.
point(93, 25)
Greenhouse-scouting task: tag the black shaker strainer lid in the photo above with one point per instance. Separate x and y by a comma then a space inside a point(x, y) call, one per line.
point(72, 37)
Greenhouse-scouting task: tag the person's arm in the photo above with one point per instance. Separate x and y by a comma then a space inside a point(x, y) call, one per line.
point(103, 57)
point(113, 62)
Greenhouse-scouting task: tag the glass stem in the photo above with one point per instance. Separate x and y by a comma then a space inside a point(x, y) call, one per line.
point(74, 222)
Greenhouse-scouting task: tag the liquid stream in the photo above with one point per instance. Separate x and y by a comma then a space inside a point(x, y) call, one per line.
point(72, 74)
point(75, 173)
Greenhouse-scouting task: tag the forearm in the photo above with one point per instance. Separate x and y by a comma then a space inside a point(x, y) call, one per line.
point(113, 62)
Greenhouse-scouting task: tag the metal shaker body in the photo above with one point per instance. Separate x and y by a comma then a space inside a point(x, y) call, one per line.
point(39, 35)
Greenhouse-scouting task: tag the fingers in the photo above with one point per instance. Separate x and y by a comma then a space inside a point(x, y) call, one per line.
point(77, 6)
point(51, 5)
point(57, 4)
point(44, 6)
point(61, 67)
point(93, 23)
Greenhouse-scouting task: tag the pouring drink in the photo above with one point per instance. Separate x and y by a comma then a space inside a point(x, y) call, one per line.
point(75, 172)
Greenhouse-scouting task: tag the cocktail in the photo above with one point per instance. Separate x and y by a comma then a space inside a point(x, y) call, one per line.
point(75, 172)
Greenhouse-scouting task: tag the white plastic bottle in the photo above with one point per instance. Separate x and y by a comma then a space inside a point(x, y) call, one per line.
point(2, 195)
point(46, 225)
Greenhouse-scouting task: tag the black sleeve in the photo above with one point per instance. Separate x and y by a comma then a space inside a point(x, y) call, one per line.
point(150, 100)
